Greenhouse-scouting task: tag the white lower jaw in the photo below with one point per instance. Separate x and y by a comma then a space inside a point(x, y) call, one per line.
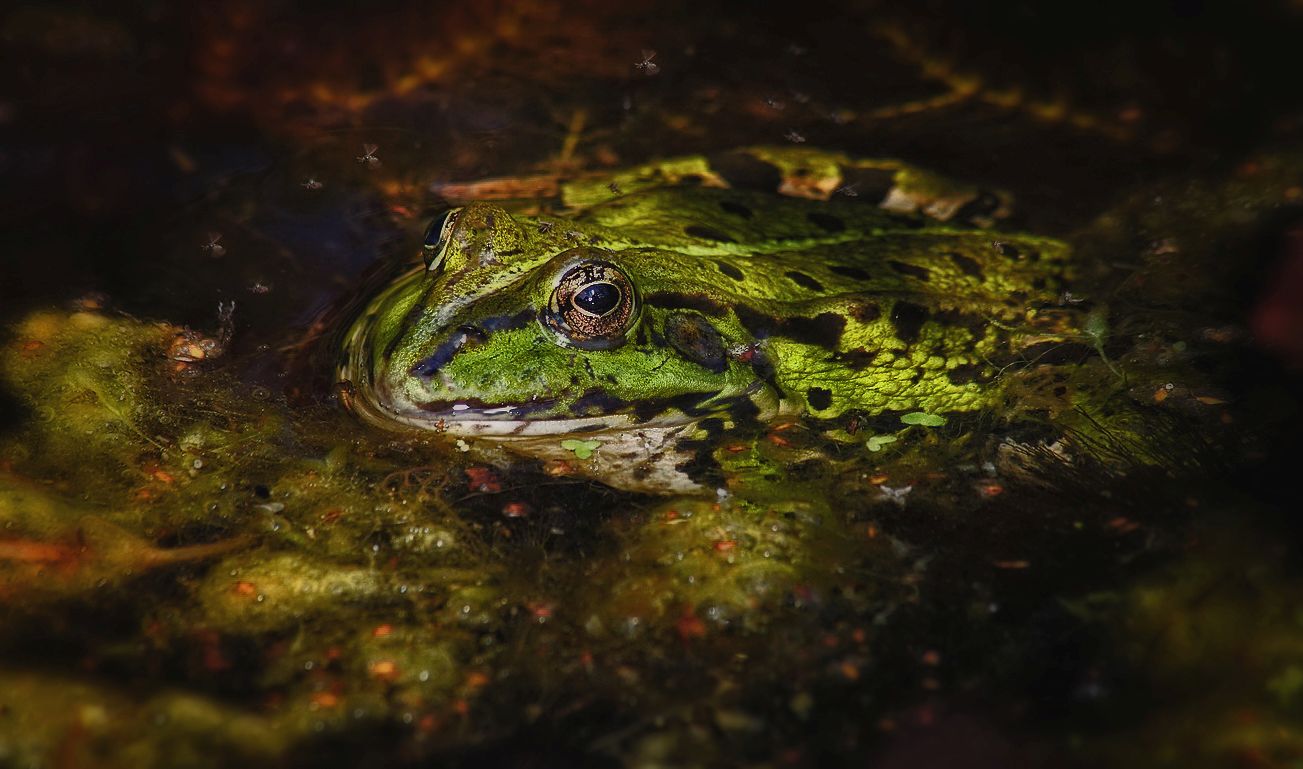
point(495, 423)
point(630, 456)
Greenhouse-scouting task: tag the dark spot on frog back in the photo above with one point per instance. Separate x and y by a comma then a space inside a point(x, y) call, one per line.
point(908, 319)
point(708, 233)
point(823, 330)
point(804, 281)
point(729, 270)
point(735, 208)
point(966, 374)
point(912, 270)
point(865, 312)
point(966, 265)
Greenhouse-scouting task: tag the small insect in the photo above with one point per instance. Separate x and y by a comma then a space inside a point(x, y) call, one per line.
point(212, 247)
point(897, 495)
point(310, 184)
point(545, 227)
point(849, 190)
point(794, 136)
point(646, 65)
point(368, 156)
point(614, 188)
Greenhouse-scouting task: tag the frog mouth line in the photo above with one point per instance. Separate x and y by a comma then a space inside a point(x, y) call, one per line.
point(457, 418)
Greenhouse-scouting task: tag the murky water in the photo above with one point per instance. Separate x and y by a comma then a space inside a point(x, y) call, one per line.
point(206, 560)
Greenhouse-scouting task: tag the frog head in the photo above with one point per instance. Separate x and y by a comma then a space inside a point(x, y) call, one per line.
point(519, 327)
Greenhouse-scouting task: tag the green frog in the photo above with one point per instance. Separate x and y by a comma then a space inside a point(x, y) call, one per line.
point(628, 316)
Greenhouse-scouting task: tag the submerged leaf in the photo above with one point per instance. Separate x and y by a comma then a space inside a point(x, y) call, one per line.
point(879, 442)
point(582, 449)
point(921, 418)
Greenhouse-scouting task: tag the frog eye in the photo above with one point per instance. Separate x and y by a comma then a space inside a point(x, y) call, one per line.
point(593, 306)
point(435, 244)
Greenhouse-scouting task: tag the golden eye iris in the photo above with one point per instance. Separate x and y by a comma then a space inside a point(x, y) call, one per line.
point(593, 305)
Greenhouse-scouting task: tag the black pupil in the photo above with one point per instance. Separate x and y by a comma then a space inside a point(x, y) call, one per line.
point(598, 298)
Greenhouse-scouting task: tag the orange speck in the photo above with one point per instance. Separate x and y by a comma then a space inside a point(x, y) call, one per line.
point(462, 707)
point(483, 479)
point(879, 479)
point(989, 490)
point(324, 699)
point(1160, 395)
point(246, 589)
point(163, 476)
point(671, 515)
point(735, 448)
point(1123, 525)
point(690, 625)
point(850, 671)
point(872, 531)
point(558, 467)
point(725, 545)
point(859, 635)
point(778, 440)
point(33, 345)
point(332, 515)
point(476, 680)
point(385, 670)
point(1012, 564)
point(931, 657)
point(382, 631)
point(515, 510)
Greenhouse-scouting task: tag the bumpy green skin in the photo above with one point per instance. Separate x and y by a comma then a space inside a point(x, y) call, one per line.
point(823, 307)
